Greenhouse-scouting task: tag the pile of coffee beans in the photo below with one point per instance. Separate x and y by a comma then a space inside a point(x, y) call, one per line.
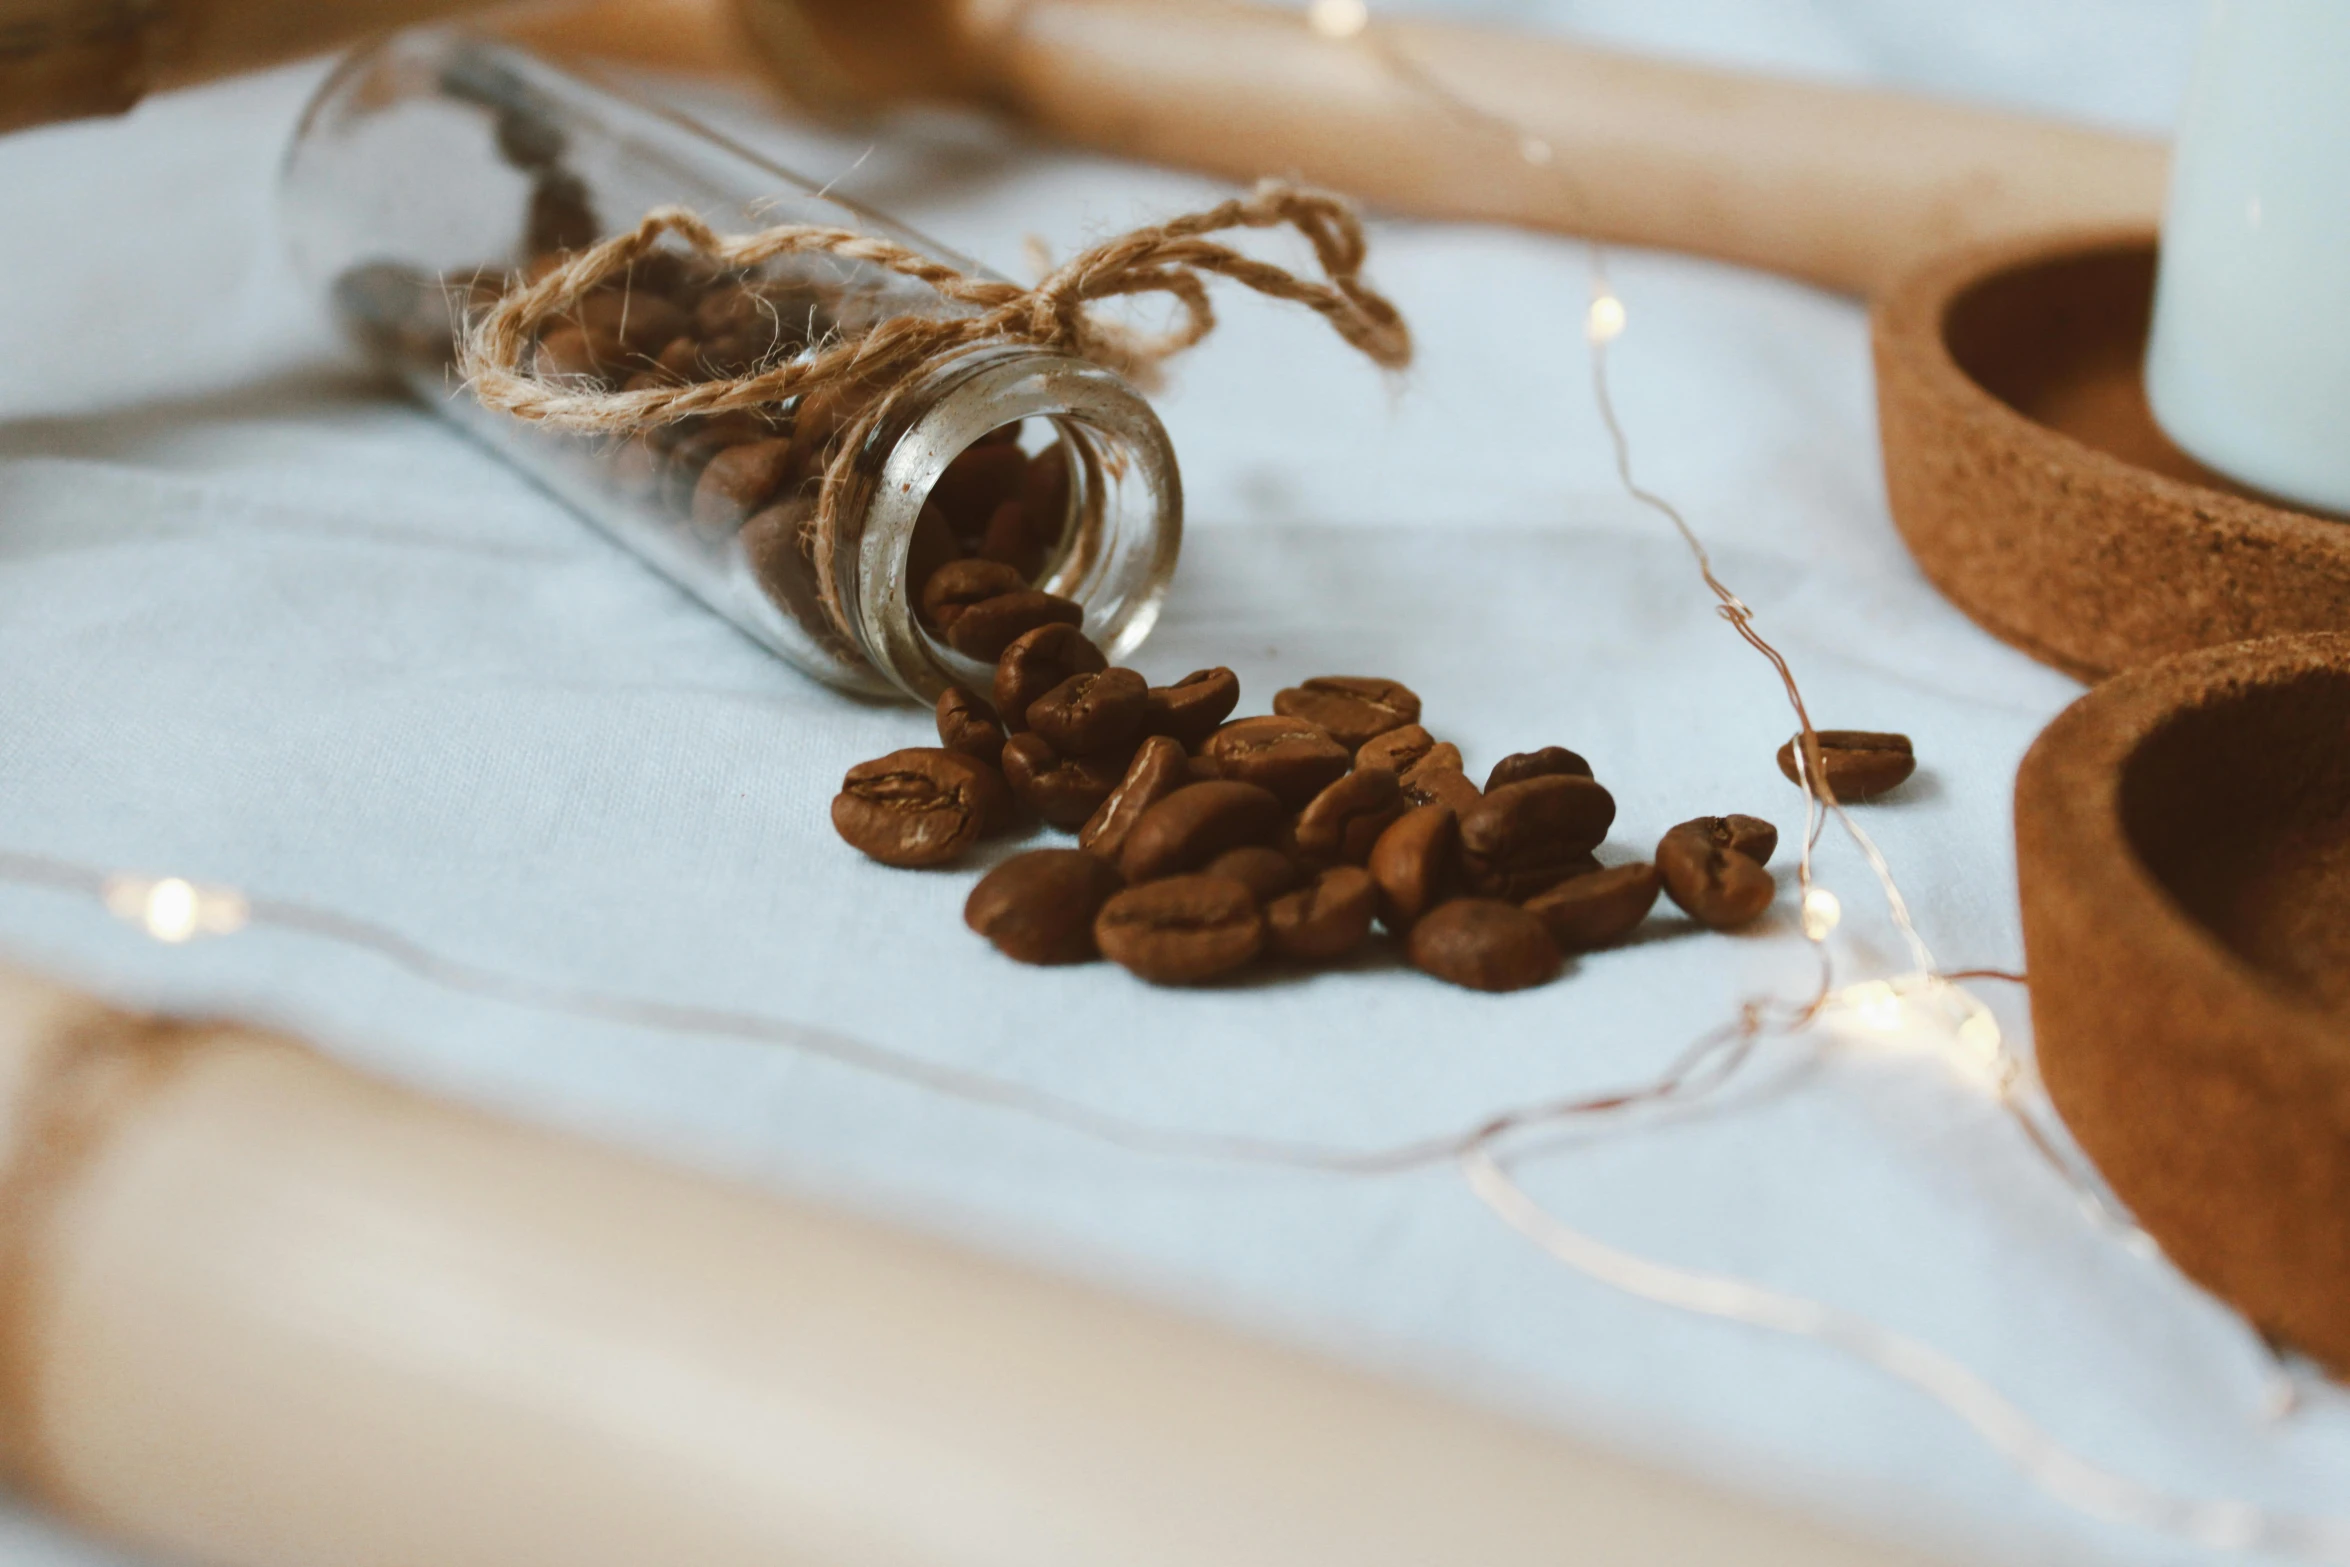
point(1206, 843)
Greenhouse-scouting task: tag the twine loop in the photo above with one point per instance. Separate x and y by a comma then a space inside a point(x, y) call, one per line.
point(1175, 259)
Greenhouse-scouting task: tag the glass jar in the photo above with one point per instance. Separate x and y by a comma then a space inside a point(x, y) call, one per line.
point(433, 167)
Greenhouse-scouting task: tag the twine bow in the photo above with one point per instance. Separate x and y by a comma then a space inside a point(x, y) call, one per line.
point(1174, 258)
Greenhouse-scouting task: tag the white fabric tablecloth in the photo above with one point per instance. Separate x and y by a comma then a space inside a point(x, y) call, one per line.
point(263, 623)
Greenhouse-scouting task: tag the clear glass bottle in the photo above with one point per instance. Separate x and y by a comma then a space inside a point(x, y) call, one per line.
point(433, 166)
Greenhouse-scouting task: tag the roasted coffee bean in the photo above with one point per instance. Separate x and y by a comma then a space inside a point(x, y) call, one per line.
point(1484, 944)
point(1437, 778)
point(1157, 771)
point(1044, 494)
point(1064, 790)
point(738, 481)
point(1340, 824)
point(1354, 709)
point(1090, 714)
point(1719, 888)
point(953, 588)
point(568, 351)
point(1192, 707)
point(969, 726)
point(1265, 871)
point(1326, 920)
point(641, 323)
point(1007, 538)
point(1182, 930)
point(1398, 750)
point(1039, 907)
point(985, 629)
point(817, 418)
point(1034, 662)
point(976, 483)
point(918, 806)
point(1859, 765)
point(1195, 824)
point(1549, 762)
point(1597, 909)
point(1524, 837)
point(1416, 864)
point(1293, 757)
point(1747, 835)
point(1203, 768)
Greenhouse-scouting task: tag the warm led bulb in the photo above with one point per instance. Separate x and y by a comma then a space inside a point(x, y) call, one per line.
point(1606, 322)
point(1822, 911)
point(175, 910)
point(1338, 18)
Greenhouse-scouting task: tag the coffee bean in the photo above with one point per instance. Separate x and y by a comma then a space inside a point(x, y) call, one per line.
point(976, 483)
point(1044, 494)
point(1438, 778)
point(738, 481)
point(568, 351)
point(1524, 837)
point(1551, 761)
point(1157, 771)
point(953, 588)
point(1326, 920)
point(1195, 824)
point(985, 629)
point(1090, 714)
point(1398, 750)
point(918, 806)
point(1192, 707)
point(1203, 768)
point(1720, 889)
point(1182, 930)
point(1858, 764)
point(1416, 864)
point(1006, 538)
point(1036, 661)
point(969, 726)
point(1484, 945)
point(1340, 824)
point(1597, 909)
point(1354, 709)
point(640, 323)
point(1039, 907)
point(1293, 757)
point(1064, 790)
point(1266, 872)
point(1747, 835)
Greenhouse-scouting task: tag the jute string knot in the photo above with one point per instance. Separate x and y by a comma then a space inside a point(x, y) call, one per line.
point(1175, 258)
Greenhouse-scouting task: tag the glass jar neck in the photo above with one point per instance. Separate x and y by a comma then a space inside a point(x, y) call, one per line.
point(1117, 554)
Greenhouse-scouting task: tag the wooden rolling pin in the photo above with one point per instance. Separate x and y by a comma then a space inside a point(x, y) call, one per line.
point(1841, 187)
point(260, 1311)
point(1838, 186)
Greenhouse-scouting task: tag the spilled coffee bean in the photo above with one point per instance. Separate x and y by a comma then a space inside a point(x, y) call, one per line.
point(1858, 764)
point(1207, 842)
point(1181, 931)
point(1039, 907)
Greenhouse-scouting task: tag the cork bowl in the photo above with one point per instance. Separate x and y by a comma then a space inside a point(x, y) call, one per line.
point(2183, 844)
point(2035, 489)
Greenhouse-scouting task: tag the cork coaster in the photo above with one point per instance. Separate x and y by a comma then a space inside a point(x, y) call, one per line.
point(2183, 844)
point(2035, 489)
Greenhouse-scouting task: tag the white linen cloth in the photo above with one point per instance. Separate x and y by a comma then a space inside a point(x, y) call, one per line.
point(264, 623)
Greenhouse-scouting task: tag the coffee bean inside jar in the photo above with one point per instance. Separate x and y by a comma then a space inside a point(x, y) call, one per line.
point(437, 171)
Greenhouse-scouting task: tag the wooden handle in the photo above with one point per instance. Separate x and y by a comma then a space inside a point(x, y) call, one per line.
point(63, 59)
point(268, 1313)
point(1844, 188)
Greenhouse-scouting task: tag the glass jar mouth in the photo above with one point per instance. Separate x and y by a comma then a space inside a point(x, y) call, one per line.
point(1117, 555)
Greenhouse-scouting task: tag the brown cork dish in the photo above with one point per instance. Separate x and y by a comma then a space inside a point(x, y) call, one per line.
point(2183, 844)
point(2034, 487)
